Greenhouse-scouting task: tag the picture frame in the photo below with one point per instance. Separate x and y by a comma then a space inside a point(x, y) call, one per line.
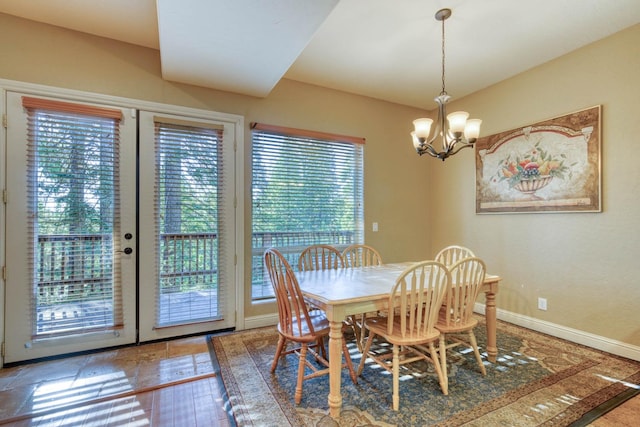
point(550, 166)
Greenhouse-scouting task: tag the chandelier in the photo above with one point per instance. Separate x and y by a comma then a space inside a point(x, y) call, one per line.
point(456, 132)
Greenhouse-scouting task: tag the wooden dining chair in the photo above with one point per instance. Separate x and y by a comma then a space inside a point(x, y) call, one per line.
point(456, 321)
point(298, 325)
point(414, 302)
point(320, 257)
point(452, 254)
point(360, 255)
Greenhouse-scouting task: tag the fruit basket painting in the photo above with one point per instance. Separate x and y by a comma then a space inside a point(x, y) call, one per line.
point(550, 166)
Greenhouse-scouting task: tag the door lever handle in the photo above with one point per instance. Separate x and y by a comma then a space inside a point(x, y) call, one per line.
point(127, 251)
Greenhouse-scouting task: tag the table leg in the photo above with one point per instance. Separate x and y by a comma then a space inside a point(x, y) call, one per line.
point(490, 316)
point(335, 368)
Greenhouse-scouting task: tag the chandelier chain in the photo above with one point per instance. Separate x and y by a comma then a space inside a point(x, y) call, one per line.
point(444, 92)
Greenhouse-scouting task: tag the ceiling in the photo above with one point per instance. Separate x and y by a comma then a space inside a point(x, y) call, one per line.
point(389, 50)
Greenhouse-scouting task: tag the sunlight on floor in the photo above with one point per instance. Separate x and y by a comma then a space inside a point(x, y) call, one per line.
point(55, 394)
point(614, 380)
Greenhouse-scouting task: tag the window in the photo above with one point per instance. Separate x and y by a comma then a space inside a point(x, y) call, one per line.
point(307, 188)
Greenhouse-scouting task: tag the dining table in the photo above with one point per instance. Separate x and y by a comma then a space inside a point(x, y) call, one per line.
point(347, 291)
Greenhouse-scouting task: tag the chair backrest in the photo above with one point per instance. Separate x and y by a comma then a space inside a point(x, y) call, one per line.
point(320, 257)
point(467, 277)
point(292, 309)
point(417, 297)
point(452, 254)
point(361, 256)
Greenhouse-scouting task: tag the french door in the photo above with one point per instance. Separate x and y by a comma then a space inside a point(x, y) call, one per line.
point(187, 223)
point(116, 222)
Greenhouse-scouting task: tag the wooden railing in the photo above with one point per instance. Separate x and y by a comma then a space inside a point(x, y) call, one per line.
point(291, 244)
point(72, 267)
point(188, 261)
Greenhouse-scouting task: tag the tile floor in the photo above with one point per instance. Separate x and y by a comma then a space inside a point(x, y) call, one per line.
point(160, 384)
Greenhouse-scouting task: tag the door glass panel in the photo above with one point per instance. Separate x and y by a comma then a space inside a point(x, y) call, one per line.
point(188, 180)
point(72, 186)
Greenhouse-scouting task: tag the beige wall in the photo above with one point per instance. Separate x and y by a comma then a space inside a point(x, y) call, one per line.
point(584, 264)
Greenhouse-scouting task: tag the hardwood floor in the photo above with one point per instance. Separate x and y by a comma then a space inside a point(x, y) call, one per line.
point(171, 383)
point(625, 415)
point(160, 384)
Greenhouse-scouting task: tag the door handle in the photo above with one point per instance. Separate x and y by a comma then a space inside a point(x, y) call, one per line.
point(127, 251)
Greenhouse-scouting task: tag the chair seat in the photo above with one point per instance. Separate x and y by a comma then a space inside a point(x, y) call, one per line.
point(378, 325)
point(319, 322)
point(455, 327)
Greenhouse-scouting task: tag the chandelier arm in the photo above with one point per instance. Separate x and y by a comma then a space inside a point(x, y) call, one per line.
point(427, 148)
point(462, 145)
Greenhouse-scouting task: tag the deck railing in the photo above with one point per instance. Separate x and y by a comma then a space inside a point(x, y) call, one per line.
point(291, 244)
point(73, 267)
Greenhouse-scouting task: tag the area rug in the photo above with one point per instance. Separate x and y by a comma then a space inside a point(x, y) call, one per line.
point(537, 380)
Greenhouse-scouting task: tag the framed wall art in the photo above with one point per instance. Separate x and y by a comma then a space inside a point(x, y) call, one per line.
point(550, 166)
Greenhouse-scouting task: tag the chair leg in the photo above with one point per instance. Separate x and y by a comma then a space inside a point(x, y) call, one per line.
point(281, 342)
point(357, 330)
point(443, 354)
point(474, 344)
point(301, 365)
point(396, 377)
point(322, 348)
point(442, 378)
point(365, 351)
point(347, 359)
point(363, 333)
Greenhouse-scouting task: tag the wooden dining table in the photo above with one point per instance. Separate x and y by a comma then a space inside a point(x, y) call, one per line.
point(346, 291)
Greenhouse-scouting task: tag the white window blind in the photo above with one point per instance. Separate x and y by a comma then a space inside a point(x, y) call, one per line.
point(72, 187)
point(307, 188)
point(188, 196)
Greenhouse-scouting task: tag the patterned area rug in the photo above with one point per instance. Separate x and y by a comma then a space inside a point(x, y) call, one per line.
point(537, 380)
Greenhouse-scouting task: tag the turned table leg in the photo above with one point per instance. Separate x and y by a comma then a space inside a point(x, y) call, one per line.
point(490, 316)
point(335, 368)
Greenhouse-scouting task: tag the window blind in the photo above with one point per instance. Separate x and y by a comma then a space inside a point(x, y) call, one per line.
point(188, 199)
point(305, 190)
point(72, 185)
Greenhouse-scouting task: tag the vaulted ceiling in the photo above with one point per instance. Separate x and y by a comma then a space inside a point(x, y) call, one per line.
point(389, 50)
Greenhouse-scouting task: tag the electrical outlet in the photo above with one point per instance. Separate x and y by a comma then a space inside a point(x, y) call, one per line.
point(375, 227)
point(542, 304)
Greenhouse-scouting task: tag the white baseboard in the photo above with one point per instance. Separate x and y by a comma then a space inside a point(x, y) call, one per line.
point(618, 348)
point(260, 321)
